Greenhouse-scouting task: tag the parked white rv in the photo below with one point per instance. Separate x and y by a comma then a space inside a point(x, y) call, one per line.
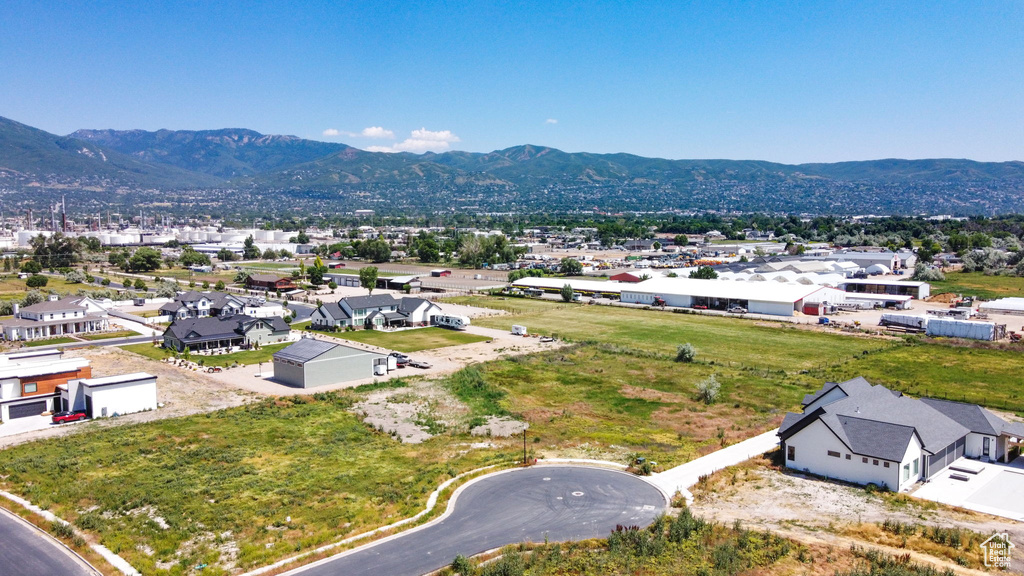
point(518, 330)
point(453, 322)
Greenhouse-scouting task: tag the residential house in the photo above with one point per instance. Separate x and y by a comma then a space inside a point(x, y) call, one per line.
point(109, 396)
point(214, 333)
point(29, 380)
point(269, 282)
point(866, 434)
point(375, 311)
point(56, 317)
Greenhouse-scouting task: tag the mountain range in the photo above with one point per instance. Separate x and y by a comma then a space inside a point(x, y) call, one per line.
point(520, 177)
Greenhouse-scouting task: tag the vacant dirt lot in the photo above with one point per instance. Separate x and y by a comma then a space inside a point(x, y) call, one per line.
point(815, 511)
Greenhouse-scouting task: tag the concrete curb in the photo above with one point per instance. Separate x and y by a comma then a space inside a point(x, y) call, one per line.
point(50, 537)
point(115, 560)
point(431, 502)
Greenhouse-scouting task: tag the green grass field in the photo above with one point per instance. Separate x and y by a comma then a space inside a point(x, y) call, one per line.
point(980, 285)
point(231, 479)
point(411, 340)
point(50, 341)
point(108, 335)
point(264, 354)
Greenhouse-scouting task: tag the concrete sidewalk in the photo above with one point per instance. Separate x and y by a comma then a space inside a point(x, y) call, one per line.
point(683, 476)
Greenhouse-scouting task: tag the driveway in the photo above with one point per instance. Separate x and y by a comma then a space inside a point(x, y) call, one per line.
point(555, 503)
point(26, 551)
point(29, 424)
point(685, 475)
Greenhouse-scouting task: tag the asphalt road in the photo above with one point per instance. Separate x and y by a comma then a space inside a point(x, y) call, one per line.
point(557, 503)
point(24, 551)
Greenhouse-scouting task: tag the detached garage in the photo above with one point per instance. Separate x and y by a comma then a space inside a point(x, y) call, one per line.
point(309, 363)
point(111, 395)
point(24, 407)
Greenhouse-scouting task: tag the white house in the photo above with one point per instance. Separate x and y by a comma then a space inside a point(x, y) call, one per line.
point(374, 312)
point(56, 317)
point(865, 434)
point(111, 395)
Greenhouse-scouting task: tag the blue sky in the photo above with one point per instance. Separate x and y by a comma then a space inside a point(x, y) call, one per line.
point(783, 81)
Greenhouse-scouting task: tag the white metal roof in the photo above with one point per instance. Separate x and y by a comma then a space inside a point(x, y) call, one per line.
point(33, 369)
point(1015, 304)
point(588, 285)
point(886, 282)
point(756, 291)
point(119, 379)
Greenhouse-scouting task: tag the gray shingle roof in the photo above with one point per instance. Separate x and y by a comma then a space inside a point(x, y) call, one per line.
point(971, 416)
point(304, 350)
point(62, 305)
point(372, 301)
point(221, 326)
point(873, 420)
point(408, 305)
point(334, 310)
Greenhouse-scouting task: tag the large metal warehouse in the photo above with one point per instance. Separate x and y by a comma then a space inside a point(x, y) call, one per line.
point(585, 287)
point(309, 363)
point(771, 298)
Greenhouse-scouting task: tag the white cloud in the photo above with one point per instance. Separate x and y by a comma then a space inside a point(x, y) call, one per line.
point(377, 132)
point(551, 121)
point(420, 141)
point(331, 132)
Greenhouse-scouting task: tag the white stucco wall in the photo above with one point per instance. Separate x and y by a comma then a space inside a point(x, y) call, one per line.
point(123, 398)
point(973, 447)
point(913, 453)
point(812, 445)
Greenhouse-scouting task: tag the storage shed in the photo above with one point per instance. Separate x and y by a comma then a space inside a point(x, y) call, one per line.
point(309, 363)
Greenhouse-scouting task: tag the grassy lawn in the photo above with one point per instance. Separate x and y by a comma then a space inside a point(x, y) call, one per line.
point(228, 480)
point(12, 287)
point(980, 285)
point(264, 354)
point(107, 335)
point(61, 340)
point(411, 340)
point(727, 341)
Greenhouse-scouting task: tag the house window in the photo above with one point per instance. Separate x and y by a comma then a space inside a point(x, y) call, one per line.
point(790, 452)
point(906, 472)
point(874, 462)
point(916, 471)
point(847, 456)
point(886, 464)
point(864, 459)
point(833, 453)
point(30, 388)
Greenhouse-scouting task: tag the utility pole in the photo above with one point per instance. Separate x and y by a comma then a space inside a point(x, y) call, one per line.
point(524, 445)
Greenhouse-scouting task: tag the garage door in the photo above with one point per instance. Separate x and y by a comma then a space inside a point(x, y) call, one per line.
point(28, 409)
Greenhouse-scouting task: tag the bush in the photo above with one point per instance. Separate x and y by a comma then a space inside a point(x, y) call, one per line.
point(686, 353)
point(708, 389)
point(924, 273)
point(62, 529)
point(219, 285)
point(462, 566)
point(75, 277)
point(139, 284)
point(37, 281)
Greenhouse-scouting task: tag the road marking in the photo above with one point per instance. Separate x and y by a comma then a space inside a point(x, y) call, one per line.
point(547, 479)
point(648, 507)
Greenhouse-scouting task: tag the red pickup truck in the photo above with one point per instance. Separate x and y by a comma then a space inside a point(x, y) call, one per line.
point(62, 417)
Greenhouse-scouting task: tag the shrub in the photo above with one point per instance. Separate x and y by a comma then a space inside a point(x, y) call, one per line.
point(686, 353)
point(37, 281)
point(708, 389)
point(62, 529)
point(462, 566)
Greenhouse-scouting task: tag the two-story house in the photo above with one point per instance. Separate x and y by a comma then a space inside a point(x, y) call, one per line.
point(29, 381)
point(269, 282)
point(377, 311)
point(56, 317)
point(193, 304)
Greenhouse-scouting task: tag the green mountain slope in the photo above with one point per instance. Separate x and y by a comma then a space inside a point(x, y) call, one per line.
point(30, 154)
point(227, 153)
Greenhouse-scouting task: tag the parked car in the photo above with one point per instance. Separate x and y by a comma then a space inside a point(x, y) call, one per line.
point(67, 416)
point(700, 307)
point(401, 360)
point(736, 310)
point(420, 364)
